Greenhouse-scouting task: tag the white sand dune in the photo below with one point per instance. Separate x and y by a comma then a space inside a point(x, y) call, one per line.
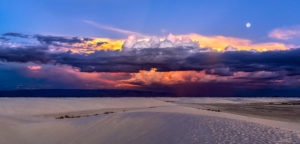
point(156, 123)
point(35, 106)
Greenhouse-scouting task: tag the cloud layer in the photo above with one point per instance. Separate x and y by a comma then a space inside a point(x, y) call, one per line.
point(164, 59)
point(169, 54)
point(152, 62)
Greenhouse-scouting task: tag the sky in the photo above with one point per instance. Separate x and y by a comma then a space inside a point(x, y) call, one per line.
point(235, 47)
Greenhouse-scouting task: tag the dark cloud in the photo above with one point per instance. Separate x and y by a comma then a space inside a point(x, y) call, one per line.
point(11, 34)
point(288, 60)
point(59, 39)
point(270, 69)
point(48, 39)
point(164, 59)
point(129, 61)
point(221, 71)
point(4, 38)
point(26, 54)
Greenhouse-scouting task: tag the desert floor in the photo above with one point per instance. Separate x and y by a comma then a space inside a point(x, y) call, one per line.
point(149, 120)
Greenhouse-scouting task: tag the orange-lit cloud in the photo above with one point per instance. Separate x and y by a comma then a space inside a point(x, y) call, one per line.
point(34, 68)
point(219, 43)
point(96, 44)
point(72, 76)
point(144, 77)
point(148, 78)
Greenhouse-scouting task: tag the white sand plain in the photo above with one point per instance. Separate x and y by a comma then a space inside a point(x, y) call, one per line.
point(136, 121)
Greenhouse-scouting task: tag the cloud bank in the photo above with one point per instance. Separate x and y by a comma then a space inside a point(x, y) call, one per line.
point(153, 62)
point(164, 54)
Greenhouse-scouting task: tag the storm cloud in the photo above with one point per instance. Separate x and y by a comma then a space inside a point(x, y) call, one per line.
point(177, 58)
point(180, 58)
point(168, 64)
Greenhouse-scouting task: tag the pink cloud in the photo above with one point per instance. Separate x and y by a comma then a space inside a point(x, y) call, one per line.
point(34, 68)
point(285, 33)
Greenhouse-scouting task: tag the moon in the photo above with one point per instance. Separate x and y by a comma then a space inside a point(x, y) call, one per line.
point(248, 25)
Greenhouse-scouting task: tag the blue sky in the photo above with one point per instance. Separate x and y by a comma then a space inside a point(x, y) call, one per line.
point(152, 17)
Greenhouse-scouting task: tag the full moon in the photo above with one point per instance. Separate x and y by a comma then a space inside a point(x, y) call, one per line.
point(248, 24)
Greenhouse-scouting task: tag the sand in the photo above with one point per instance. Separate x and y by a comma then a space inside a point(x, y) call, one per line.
point(137, 120)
